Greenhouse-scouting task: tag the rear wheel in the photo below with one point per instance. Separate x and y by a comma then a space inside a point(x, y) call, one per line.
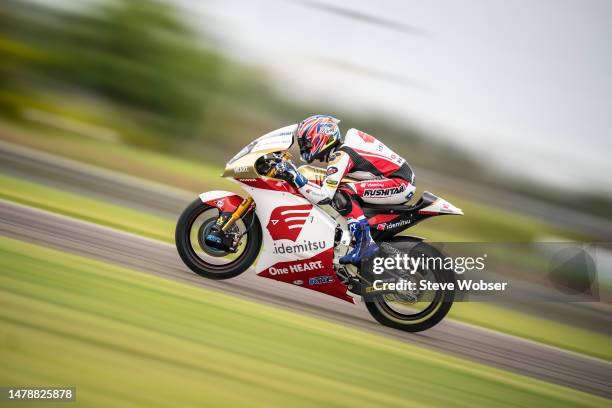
point(192, 227)
point(414, 311)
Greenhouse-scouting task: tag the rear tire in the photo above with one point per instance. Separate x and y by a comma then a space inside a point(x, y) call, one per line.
point(427, 318)
point(210, 270)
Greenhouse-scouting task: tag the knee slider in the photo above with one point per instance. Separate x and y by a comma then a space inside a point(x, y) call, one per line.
point(342, 203)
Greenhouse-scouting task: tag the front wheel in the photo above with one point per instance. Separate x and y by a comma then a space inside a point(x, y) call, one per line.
point(414, 311)
point(193, 226)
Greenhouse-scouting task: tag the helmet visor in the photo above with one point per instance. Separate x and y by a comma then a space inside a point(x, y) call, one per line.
point(305, 148)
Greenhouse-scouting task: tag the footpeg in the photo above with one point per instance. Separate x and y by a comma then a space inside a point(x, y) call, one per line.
point(354, 286)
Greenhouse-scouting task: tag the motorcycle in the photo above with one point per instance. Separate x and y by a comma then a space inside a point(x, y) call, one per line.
point(221, 234)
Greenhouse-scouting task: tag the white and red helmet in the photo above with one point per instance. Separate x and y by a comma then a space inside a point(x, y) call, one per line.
point(317, 136)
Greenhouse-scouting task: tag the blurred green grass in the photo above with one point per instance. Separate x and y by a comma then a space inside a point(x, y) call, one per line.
point(126, 219)
point(531, 327)
point(88, 209)
point(164, 168)
point(126, 338)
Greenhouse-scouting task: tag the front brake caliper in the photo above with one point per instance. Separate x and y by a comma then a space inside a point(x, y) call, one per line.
point(217, 238)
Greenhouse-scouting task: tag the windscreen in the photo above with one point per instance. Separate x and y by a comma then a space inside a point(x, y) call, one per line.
point(279, 139)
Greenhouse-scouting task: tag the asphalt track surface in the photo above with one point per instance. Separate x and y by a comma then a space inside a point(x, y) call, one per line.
point(158, 258)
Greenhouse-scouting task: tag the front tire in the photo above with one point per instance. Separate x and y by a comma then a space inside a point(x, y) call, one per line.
point(210, 262)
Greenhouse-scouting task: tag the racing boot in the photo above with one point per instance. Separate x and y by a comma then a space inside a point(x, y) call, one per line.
point(364, 244)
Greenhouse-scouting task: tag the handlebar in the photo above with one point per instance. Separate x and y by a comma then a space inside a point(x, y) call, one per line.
point(271, 163)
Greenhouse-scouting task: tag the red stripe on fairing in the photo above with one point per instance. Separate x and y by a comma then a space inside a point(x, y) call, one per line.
point(227, 203)
point(379, 218)
point(428, 212)
point(271, 184)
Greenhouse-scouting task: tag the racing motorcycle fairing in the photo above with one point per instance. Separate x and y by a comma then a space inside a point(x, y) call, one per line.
point(298, 240)
point(387, 221)
point(440, 207)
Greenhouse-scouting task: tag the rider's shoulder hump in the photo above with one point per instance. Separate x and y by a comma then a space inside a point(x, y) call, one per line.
point(355, 137)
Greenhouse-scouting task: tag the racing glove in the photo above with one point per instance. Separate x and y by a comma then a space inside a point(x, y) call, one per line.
point(287, 171)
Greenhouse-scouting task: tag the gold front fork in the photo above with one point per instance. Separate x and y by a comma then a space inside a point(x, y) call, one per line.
point(246, 203)
point(236, 215)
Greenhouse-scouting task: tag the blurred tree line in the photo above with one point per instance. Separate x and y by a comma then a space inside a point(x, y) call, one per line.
point(139, 55)
point(142, 58)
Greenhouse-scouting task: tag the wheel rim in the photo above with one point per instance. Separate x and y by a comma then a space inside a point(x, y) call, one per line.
point(412, 312)
point(209, 257)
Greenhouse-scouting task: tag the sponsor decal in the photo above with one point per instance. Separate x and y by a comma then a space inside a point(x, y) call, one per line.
point(409, 195)
point(318, 267)
point(384, 192)
point(297, 267)
point(401, 223)
point(220, 203)
point(241, 169)
point(381, 227)
point(332, 170)
point(305, 246)
point(331, 183)
point(286, 222)
point(320, 280)
point(370, 184)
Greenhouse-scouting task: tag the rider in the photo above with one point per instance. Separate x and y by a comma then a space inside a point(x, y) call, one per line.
point(384, 176)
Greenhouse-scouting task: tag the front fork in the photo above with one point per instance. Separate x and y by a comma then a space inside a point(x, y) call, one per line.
point(226, 222)
point(220, 236)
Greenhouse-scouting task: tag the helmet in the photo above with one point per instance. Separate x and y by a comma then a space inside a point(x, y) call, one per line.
point(317, 136)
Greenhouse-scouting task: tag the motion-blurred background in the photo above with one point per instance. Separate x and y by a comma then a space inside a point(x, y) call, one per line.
point(504, 104)
point(119, 111)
